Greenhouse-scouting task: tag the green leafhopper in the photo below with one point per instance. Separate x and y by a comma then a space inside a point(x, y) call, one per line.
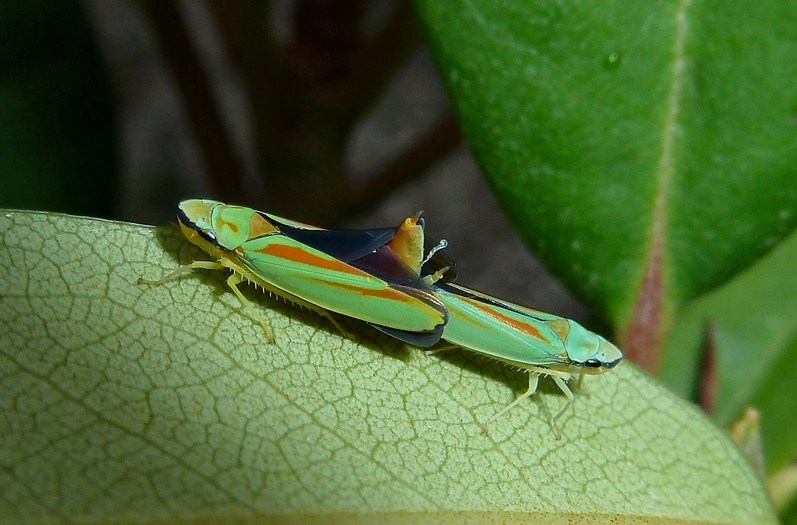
point(539, 343)
point(263, 249)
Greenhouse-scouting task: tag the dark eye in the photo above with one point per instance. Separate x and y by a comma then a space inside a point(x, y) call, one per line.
point(593, 363)
point(207, 235)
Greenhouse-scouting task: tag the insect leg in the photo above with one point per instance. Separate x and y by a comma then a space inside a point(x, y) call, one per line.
point(534, 379)
point(337, 325)
point(560, 382)
point(313, 308)
point(196, 265)
point(233, 281)
point(441, 349)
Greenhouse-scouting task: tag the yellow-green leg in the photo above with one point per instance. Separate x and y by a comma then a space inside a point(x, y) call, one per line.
point(534, 379)
point(232, 281)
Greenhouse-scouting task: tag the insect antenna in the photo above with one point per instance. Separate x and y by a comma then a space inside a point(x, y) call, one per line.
point(440, 246)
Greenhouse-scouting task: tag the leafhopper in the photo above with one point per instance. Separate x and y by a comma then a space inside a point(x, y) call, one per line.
point(536, 342)
point(273, 254)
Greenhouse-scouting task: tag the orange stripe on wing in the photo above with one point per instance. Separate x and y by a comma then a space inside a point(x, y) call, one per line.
point(297, 254)
point(294, 253)
point(525, 328)
point(384, 293)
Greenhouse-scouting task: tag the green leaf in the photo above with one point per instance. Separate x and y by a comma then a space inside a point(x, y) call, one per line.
point(645, 151)
point(151, 403)
point(754, 320)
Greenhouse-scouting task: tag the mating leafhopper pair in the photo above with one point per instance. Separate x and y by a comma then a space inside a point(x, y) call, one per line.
point(383, 277)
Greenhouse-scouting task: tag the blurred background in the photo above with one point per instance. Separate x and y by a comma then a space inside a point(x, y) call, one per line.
point(327, 112)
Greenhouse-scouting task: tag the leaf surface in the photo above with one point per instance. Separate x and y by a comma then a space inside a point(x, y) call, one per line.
point(124, 402)
point(753, 322)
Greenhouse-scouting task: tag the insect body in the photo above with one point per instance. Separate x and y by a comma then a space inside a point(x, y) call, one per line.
point(525, 338)
point(531, 340)
point(265, 250)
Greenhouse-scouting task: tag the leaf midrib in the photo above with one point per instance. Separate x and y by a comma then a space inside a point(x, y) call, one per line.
point(648, 322)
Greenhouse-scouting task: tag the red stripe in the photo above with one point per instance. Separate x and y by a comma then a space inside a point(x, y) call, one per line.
point(525, 328)
point(293, 253)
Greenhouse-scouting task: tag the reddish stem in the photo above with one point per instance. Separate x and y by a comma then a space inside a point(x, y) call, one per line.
point(643, 337)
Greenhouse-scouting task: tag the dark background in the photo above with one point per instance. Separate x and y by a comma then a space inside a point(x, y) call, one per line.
point(326, 112)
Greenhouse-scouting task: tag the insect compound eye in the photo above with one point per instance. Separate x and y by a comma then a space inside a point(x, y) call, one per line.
point(593, 363)
point(207, 234)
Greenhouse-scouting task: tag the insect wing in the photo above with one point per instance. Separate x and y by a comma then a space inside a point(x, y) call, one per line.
point(344, 245)
point(291, 266)
point(368, 250)
point(384, 264)
point(479, 322)
point(499, 329)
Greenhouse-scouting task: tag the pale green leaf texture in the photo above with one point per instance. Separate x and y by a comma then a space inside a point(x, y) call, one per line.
point(627, 137)
point(753, 321)
point(130, 403)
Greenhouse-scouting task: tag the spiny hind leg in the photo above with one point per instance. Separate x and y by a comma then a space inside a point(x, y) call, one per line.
point(233, 281)
point(534, 379)
point(291, 299)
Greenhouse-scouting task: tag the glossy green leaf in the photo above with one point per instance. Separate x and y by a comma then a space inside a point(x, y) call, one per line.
point(754, 319)
point(630, 141)
point(134, 403)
